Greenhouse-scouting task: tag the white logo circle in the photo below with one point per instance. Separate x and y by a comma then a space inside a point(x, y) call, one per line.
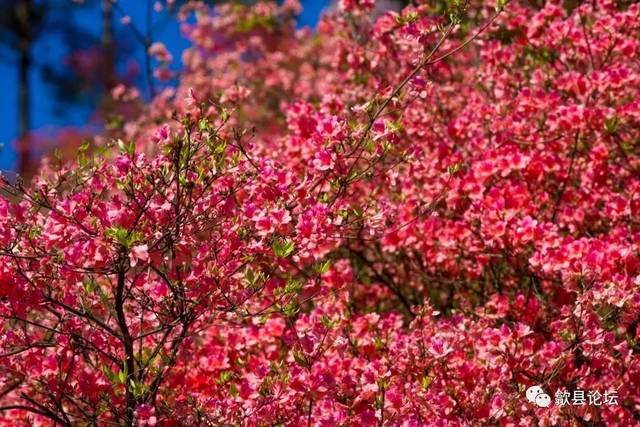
point(536, 395)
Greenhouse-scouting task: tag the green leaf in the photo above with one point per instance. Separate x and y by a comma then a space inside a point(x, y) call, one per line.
point(130, 149)
point(611, 125)
point(324, 198)
point(426, 382)
point(219, 148)
point(567, 336)
point(384, 383)
point(394, 126)
point(117, 233)
point(225, 377)
point(203, 125)
point(300, 358)
point(453, 169)
point(34, 232)
point(225, 115)
point(370, 145)
point(123, 236)
point(138, 389)
point(233, 390)
point(293, 286)
point(323, 267)
point(84, 146)
point(89, 286)
point(327, 321)
point(291, 309)
point(115, 122)
point(378, 343)
point(109, 373)
point(283, 248)
point(250, 275)
point(386, 146)
point(82, 159)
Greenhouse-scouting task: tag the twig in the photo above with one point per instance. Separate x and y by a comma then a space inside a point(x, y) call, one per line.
point(566, 180)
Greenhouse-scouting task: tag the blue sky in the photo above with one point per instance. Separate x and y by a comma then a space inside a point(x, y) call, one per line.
point(50, 49)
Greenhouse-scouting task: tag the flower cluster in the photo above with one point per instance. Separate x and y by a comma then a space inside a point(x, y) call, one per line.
point(400, 220)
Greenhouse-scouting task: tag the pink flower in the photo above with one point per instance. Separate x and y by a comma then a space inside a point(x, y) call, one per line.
point(138, 253)
point(146, 415)
point(163, 73)
point(235, 94)
point(323, 160)
point(356, 5)
point(159, 51)
point(297, 253)
point(118, 91)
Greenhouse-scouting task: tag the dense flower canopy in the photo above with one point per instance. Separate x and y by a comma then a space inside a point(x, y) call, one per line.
point(403, 219)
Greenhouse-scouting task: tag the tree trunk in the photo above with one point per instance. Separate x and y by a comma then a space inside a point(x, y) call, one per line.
point(24, 11)
point(108, 50)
